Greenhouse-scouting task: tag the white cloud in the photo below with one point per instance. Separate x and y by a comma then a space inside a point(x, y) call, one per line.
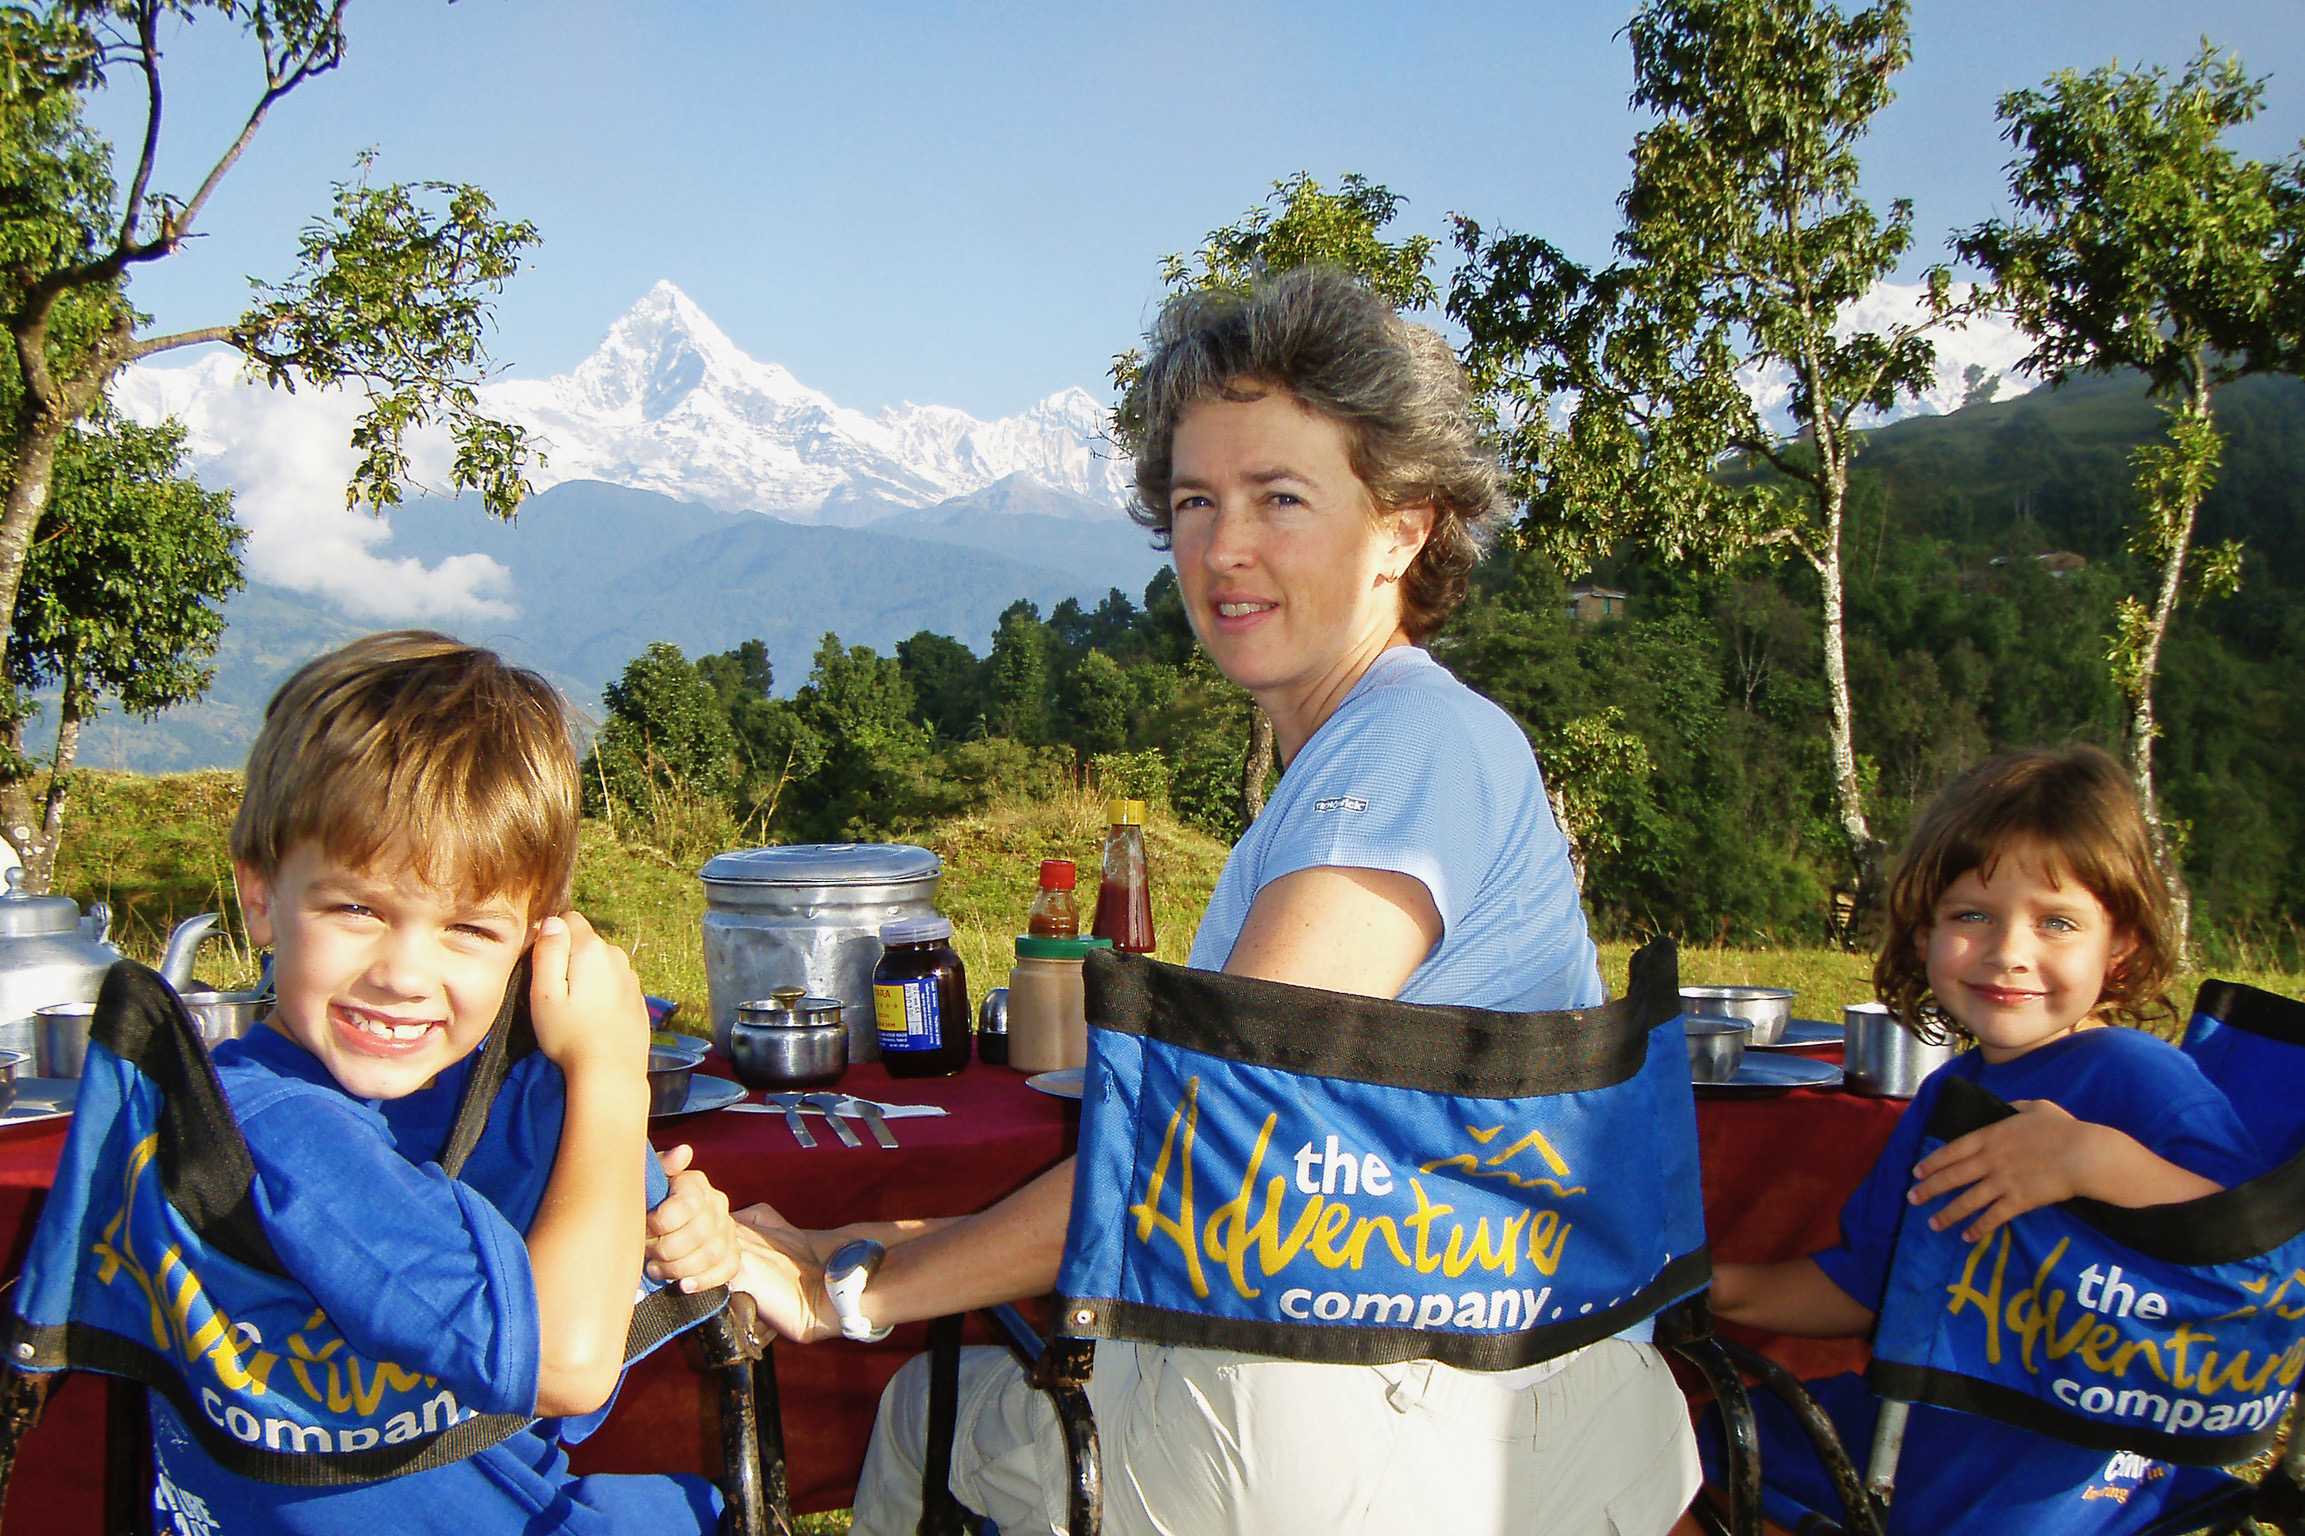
point(287, 458)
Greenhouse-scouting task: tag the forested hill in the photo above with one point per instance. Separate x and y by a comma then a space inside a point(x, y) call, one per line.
point(1972, 628)
point(1686, 738)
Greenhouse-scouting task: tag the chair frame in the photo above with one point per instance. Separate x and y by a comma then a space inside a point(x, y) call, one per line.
point(1061, 1368)
point(735, 1348)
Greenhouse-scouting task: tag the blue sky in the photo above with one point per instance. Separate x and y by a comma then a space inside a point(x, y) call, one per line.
point(967, 205)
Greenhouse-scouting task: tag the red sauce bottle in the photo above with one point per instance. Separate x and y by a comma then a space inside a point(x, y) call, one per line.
point(1054, 916)
point(1124, 898)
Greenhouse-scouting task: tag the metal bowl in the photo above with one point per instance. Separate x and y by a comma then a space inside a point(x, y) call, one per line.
point(788, 1040)
point(1767, 1009)
point(60, 1044)
point(1885, 1059)
point(669, 1068)
point(11, 1063)
point(224, 1015)
point(1716, 1046)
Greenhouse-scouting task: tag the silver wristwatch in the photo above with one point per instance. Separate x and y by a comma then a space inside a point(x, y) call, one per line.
point(845, 1275)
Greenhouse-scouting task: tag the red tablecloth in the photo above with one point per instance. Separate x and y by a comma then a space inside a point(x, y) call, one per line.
point(1776, 1170)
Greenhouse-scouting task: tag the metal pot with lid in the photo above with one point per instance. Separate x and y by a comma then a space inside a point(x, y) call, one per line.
point(788, 1040)
point(50, 952)
point(808, 915)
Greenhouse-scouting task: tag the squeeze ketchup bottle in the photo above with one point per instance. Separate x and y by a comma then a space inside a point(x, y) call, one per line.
point(1124, 898)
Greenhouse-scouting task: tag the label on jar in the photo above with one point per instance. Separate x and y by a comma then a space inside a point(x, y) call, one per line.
point(907, 1014)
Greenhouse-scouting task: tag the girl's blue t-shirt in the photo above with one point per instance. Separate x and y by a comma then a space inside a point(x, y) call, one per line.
point(428, 1272)
point(1961, 1475)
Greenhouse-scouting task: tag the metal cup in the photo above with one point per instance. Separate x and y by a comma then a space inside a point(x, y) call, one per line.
point(223, 1015)
point(11, 1063)
point(63, 1039)
point(1716, 1046)
point(1885, 1059)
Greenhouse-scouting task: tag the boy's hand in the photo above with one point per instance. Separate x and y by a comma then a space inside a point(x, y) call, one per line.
point(586, 1003)
point(2038, 1156)
point(692, 1240)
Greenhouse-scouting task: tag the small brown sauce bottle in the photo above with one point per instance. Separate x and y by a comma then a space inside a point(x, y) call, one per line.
point(920, 999)
point(1054, 912)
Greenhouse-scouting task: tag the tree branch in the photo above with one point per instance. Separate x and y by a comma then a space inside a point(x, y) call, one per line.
point(147, 60)
point(145, 346)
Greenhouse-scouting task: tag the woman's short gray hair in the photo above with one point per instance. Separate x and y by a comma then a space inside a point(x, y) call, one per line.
point(1414, 435)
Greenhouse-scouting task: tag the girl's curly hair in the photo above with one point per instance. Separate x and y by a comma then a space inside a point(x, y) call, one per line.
point(2081, 807)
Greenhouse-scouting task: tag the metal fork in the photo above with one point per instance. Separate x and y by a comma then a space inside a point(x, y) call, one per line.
point(830, 1103)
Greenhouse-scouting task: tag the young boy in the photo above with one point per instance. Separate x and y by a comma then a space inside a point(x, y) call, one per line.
point(408, 834)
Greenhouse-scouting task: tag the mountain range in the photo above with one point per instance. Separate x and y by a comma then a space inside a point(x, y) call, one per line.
point(688, 492)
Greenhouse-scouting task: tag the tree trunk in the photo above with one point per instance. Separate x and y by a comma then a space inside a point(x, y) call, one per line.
point(1848, 792)
point(1258, 764)
point(34, 472)
point(2143, 726)
point(37, 838)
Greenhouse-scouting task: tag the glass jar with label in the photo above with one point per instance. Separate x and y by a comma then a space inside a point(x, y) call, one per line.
point(920, 999)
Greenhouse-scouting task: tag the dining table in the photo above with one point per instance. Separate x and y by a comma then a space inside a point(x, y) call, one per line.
point(1777, 1167)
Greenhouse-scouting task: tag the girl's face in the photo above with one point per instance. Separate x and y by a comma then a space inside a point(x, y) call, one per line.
point(2019, 957)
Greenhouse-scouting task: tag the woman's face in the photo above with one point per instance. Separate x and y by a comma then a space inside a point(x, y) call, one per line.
point(1289, 575)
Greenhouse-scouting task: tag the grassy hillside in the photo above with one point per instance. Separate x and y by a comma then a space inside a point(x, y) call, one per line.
point(157, 849)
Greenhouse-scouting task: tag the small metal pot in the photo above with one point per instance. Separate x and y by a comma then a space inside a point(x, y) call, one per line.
point(62, 1043)
point(1716, 1046)
point(669, 1069)
point(11, 1063)
point(224, 1015)
point(1767, 1009)
point(788, 1040)
point(1884, 1058)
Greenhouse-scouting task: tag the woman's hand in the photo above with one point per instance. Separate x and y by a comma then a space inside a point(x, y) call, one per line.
point(584, 1000)
point(2041, 1156)
point(777, 1265)
point(692, 1238)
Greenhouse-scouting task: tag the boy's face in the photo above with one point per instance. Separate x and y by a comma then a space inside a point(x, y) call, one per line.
point(2020, 957)
point(384, 977)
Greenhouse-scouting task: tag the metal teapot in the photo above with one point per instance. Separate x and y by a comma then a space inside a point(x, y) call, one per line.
point(51, 953)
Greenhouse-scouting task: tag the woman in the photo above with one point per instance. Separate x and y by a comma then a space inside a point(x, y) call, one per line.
point(1314, 465)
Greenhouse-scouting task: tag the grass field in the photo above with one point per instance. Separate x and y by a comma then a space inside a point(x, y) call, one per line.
point(157, 849)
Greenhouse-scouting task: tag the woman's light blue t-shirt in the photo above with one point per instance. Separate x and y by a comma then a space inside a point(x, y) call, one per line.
point(1418, 774)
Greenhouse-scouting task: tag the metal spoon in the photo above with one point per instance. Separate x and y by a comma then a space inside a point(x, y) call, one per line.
point(831, 1103)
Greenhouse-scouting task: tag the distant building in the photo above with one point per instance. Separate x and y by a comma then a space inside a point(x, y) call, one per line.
point(2057, 562)
point(1590, 605)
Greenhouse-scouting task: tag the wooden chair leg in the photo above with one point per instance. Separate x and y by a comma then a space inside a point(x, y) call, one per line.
point(23, 1397)
point(733, 1350)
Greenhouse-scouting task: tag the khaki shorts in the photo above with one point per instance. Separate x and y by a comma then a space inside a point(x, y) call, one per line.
point(1204, 1443)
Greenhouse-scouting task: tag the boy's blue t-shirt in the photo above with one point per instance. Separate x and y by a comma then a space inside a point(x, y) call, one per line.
point(427, 1272)
point(1958, 1472)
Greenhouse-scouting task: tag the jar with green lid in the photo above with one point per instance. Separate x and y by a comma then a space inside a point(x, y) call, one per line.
point(1047, 1011)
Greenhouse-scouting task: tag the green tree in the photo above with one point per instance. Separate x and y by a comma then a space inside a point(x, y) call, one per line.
point(738, 675)
point(1017, 686)
point(390, 289)
point(121, 597)
point(1745, 242)
point(947, 682)
point(873, 754)
point(667, 734)
point(2142, 241)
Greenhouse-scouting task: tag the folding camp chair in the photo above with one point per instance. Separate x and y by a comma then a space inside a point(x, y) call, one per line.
point(1526, 1125)
point(2191, 1346)
point(154, 1149)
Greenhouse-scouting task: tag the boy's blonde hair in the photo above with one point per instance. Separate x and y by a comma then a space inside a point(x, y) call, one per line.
point(411, 748)
point(2081, 807)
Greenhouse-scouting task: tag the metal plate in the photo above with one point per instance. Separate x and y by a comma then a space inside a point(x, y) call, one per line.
point(705, 1092)
point(41, 1099)
point(1065, 1083)
point(1802, 1035)
point(1775, 1074)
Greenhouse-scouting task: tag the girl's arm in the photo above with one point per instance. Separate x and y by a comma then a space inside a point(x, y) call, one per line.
point(1793, 1297)
point(1346, 930)
point(2039, 1156)
point(584, 1246)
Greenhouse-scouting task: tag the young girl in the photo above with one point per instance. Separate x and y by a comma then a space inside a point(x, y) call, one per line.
point(2025, 916)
